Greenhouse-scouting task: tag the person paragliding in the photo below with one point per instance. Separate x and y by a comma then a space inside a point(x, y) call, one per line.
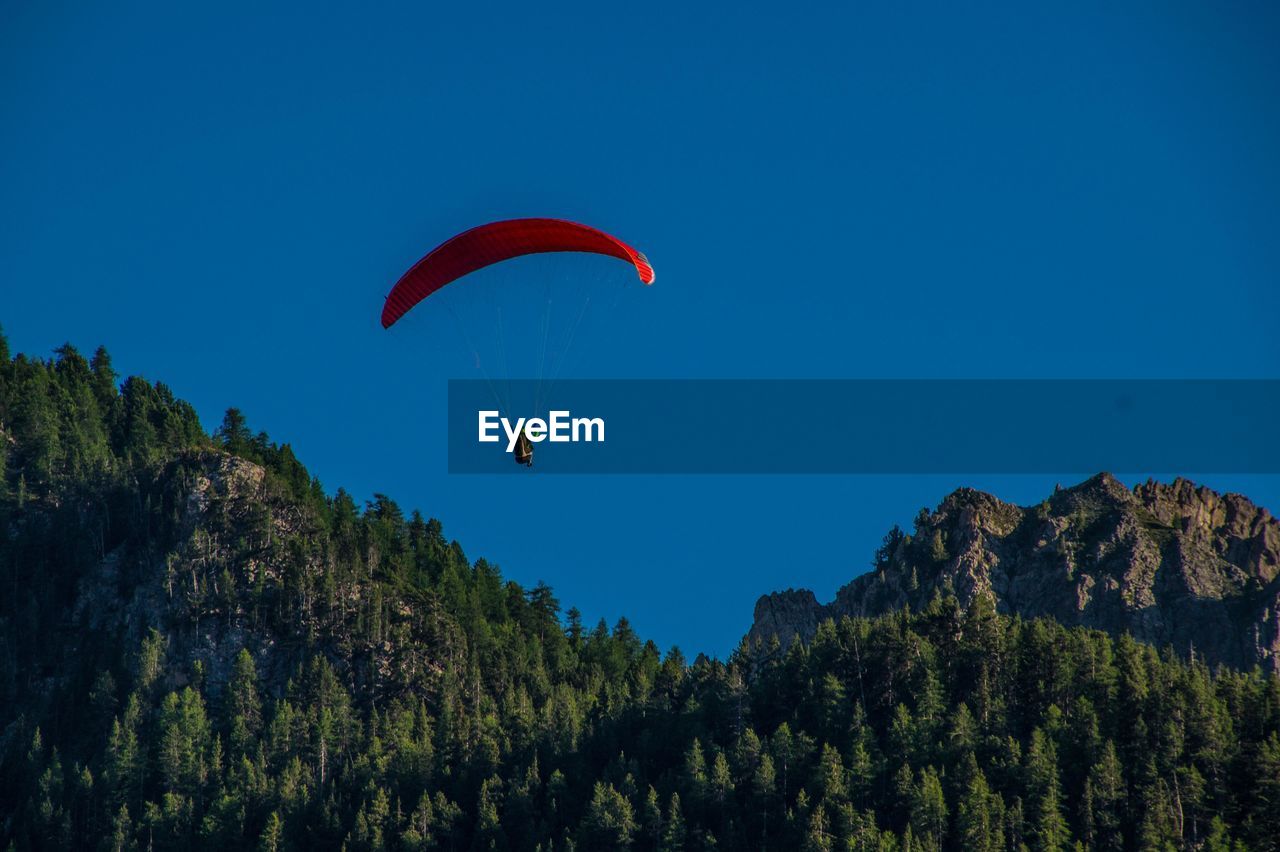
point(494, 243)
point(524, 450)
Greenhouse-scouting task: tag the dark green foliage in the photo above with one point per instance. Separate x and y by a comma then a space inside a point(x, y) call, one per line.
point(368, 686)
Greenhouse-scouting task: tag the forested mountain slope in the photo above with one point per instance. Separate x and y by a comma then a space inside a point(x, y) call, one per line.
point(200, 648)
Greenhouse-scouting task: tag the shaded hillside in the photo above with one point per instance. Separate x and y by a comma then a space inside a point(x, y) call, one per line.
point(201, 648)
point(1174, 564)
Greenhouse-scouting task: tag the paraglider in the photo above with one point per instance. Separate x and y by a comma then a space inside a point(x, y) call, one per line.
point(498, 241)
point(494, 243)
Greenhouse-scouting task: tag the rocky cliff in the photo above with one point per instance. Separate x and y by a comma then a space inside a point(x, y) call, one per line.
point(242, 564)
point(1173, 564)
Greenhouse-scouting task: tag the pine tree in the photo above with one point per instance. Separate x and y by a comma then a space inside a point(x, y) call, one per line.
point(782, 749)
point(420, 832)
point(695, 773)
point(834, 707)
point(272, 832)
point(489, 834)
point(1219, 840)
point(929, 810)
point(673, 832)
point(902, 734)
point(979, 816)
point(818, 838)
point(650, 825)
point(125, 763)
point(104, 380)
point(609, 823)
point(1263, 820)
point(234, 434)
point(185, 738)
point(861, 774)
point(243, 706)
point(1049, 825)
point(721, 788)
point(962, 734)
point(1159, 828)
point(764, 787)
point(150, 660)
point(122, 831)
point(904, 789)
point(830, 777)
point(1106, 798)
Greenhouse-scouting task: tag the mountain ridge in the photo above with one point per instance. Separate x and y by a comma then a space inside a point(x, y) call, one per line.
point(1172, 563)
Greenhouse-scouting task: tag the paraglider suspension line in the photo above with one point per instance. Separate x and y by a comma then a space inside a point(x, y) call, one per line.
point(573, 331)
point(462, 331)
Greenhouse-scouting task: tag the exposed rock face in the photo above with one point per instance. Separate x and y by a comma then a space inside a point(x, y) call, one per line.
point(214, 497)
point(1173, 564)
point(235, 540)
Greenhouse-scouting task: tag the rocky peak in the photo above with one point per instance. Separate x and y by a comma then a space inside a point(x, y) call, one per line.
point(795, 610)
point(1174, 564)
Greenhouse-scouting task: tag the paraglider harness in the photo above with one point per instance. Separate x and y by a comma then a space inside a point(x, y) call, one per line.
point(524, 450)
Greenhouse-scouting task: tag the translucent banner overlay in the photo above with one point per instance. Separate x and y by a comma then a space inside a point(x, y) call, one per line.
point(872, 426)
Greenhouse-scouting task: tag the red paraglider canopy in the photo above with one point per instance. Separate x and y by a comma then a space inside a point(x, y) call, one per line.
point(496, 242)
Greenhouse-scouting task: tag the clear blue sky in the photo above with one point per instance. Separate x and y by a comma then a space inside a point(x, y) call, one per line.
point(223, 195)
